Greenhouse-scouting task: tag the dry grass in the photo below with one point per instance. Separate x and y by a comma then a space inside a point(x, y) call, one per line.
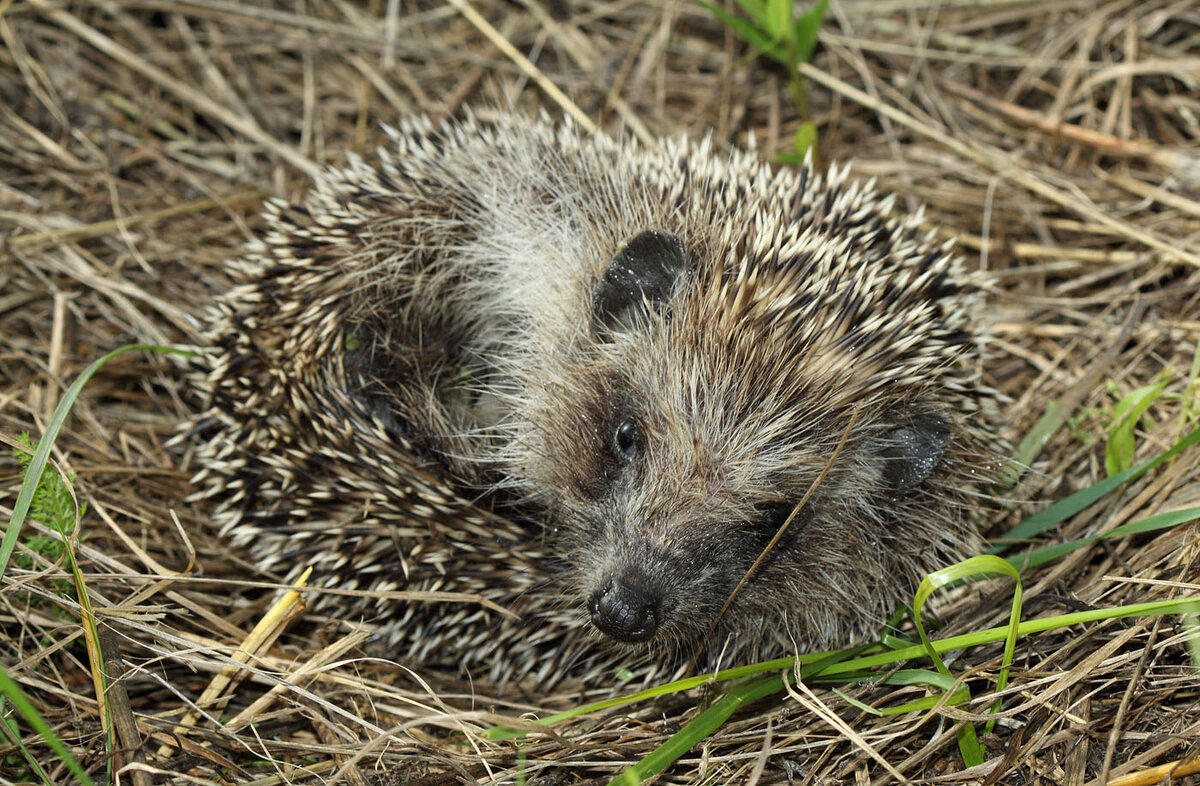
point(1057, 140)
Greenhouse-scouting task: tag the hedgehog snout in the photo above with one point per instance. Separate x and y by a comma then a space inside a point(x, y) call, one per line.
point(626, 608)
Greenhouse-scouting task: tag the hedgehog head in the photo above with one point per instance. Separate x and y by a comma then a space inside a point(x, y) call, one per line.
point(725, 376)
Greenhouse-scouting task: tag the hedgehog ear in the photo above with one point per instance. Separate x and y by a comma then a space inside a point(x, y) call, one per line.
point(913, 450)
point(641, 278)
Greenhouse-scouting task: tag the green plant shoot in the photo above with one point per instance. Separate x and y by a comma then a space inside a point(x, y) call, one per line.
point(776, 31)
point(1119, 453)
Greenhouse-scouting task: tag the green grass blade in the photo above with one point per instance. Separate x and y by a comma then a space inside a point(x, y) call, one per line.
point(958, 697)
point(37, 465)
point(1159, 521)
point(1191, 623)
point(699, 729)
point(810, 663)
point(804, 140)
point(12, 735)
point(753, 35)
point(982, 565)
point(806, 28)
point(13, 693)
point(1118, 454)
point(779, 19)
point(1065, 508)
point(990, 635)
point(925, 677)
point(914, 677)
point(921, 677)
point(1049, 423)
point(757, 10)
point(1191, 394)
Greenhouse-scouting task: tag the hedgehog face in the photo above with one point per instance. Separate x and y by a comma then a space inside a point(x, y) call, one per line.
point(690, 502)
point(691, 436)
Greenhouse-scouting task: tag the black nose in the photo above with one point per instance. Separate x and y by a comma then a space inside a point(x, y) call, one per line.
point(625, 609)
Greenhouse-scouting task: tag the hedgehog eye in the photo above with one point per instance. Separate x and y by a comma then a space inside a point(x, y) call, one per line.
point(773, 515)
point(627, 441)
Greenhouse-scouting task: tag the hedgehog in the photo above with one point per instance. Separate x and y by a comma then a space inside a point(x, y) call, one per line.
point(645, 406)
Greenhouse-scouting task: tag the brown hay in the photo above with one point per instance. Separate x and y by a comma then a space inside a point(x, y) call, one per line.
point(1057, 141)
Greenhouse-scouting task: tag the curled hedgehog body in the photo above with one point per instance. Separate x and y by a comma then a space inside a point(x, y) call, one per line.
point(589, 382)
